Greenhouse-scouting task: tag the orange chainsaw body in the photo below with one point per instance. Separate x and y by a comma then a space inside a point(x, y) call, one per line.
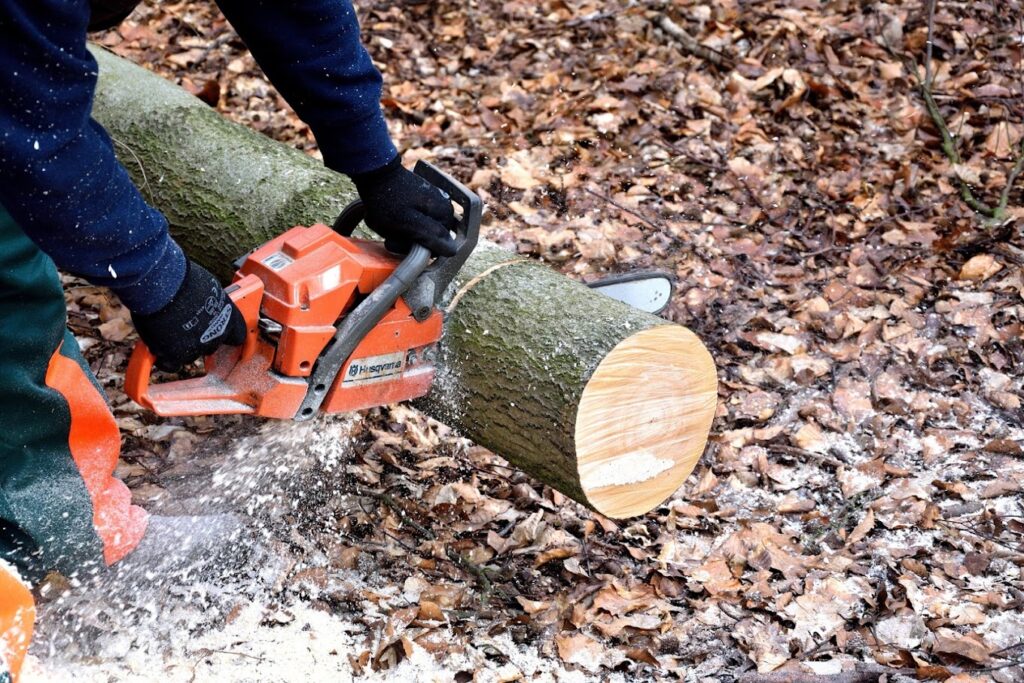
point(292, 292)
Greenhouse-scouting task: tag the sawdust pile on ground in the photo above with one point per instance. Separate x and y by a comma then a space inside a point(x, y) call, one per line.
point(860, 505)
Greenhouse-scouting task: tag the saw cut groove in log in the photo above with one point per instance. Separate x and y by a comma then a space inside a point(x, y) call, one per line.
point(604, 403)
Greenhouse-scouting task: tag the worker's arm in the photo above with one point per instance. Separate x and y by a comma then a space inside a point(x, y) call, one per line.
point(60, 181)
point(312, 53)
point(59, 178)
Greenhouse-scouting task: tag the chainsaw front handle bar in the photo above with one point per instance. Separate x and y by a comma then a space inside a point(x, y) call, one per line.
point(426, 292)
point(421, 282)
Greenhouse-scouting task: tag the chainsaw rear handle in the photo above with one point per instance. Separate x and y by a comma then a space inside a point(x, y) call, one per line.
point(426, 292)
point(136, 377)
point(161, 399)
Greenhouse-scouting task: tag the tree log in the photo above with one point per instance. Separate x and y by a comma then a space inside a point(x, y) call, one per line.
point(606, 404)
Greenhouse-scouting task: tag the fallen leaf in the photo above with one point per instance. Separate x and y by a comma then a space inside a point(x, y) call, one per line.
point(852, 398)
point(116, 329)
point(811, 438)
point(782, 342)
point(980, 268)
point(553, 554)
point(430, 611)
point(969, 645)
point(969, 174)
point(581, 650)
point(515, 174)
point(863, 528)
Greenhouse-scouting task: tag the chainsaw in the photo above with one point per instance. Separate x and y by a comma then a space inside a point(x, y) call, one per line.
point(333, 323)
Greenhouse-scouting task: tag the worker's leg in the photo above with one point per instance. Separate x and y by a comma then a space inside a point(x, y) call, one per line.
point(60, 506)
point(17, 615)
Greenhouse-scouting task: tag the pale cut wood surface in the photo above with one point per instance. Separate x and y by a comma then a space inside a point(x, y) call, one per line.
point(643, 420)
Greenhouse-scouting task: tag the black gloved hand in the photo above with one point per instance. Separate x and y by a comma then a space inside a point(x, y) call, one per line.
point(403, 208)
point(198, 320)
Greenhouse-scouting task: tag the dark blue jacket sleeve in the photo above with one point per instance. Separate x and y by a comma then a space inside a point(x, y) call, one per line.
point(312, 53)
point(59, 178)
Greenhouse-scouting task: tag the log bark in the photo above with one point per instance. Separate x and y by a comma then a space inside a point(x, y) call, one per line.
point(604, 403)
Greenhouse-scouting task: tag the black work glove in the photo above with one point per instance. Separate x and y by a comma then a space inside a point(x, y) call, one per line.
point(196, 322)
point(403, 208)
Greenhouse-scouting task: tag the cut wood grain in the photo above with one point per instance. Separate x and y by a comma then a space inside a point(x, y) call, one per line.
point(643, 419)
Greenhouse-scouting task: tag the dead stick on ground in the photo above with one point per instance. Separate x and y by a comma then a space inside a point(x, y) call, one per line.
point(864, 673)
point(949, 147)
point(486, 587)
point(1018, 168)
point(690, 44)
point(624, 209)
point(394, 505)
point(950, 150)
point(928, 77)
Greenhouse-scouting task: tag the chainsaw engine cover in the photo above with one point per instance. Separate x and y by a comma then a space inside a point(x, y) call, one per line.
point(311, 278)
point(328, 325)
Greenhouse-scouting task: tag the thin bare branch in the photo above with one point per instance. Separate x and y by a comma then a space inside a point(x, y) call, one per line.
point(862, 673)
point(924, 86)
point(1018, 168)
point(928, 75)
point(950, 150)
point(624, 209)
point(691, 45)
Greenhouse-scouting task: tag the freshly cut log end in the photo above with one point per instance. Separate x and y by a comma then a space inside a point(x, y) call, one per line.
point(643, 420)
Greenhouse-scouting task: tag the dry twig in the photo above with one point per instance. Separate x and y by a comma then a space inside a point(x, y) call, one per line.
point(863, 673)
point(394, 505)
point(691, 45)
point(949, 147)
point(624, 209)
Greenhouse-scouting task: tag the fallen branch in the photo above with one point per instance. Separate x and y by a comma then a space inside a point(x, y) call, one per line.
point(624, 209)
point(862, 673)
point(1018, 168)
point(950, 150)
point(484, 581)
point(691, 45)
point(397, 508)
point(949, 147)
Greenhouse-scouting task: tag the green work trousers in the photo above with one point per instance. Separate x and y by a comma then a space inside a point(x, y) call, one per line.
point(60, 506)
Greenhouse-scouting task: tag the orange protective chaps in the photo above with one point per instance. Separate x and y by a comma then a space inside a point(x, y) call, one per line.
point(17, 616)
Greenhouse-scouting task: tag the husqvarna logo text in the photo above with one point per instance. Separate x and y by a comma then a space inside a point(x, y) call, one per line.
point(374, 368)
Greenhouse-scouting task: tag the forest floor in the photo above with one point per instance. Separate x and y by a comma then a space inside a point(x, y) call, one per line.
point(859, 511)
